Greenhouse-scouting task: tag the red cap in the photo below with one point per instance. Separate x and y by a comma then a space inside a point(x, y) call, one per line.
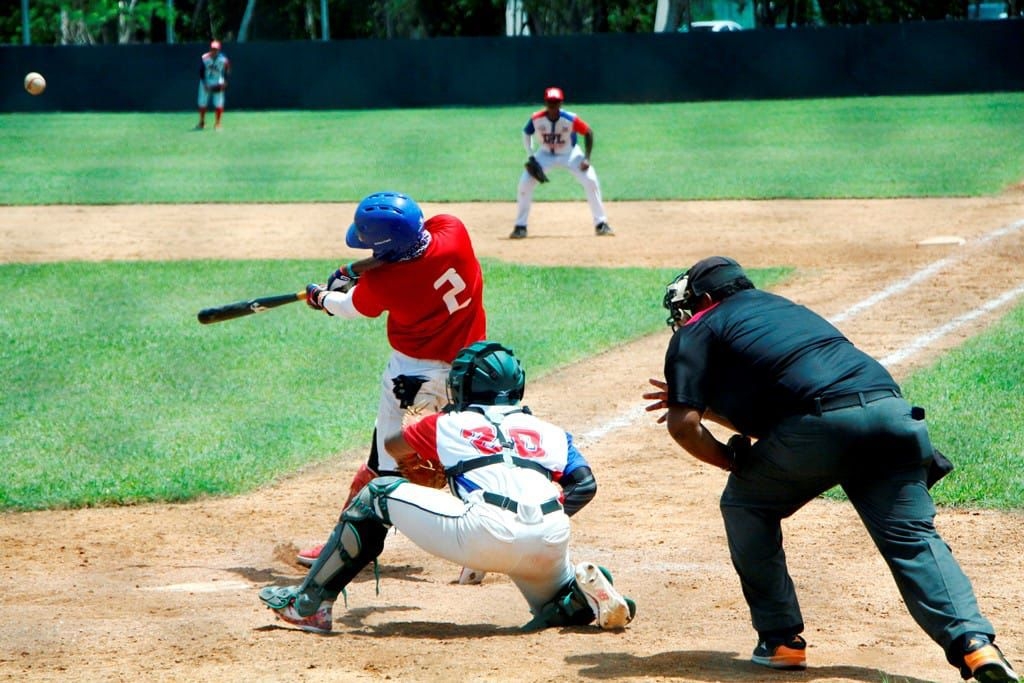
point(215, 45)
point(554, 94)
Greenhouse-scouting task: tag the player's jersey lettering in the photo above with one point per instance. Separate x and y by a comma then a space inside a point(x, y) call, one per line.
point(456, 286)
point(553, 139)
point(485, 440)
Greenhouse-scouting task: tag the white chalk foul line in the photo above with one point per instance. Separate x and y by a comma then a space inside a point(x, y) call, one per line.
point(922, 274)
point(922, 342)
point(925, 340)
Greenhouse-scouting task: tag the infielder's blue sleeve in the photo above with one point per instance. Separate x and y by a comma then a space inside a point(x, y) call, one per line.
point(528, 128)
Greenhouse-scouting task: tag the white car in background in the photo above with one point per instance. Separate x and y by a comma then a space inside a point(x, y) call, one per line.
point(716, 26)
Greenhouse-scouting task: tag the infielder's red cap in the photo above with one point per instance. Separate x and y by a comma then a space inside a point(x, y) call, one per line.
point(554, 94)
point(215, 45)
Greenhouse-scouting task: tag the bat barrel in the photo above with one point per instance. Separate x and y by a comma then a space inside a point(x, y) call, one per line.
point(240, 309)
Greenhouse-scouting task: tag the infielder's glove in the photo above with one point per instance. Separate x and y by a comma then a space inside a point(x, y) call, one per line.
point(422, 471)
point(218, 88)
point(534, 168)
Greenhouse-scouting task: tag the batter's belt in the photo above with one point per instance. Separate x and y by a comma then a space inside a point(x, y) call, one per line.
point(861, 398)
point(506, 503)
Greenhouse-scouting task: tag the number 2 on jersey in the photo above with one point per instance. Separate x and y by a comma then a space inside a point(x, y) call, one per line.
point(456, 285)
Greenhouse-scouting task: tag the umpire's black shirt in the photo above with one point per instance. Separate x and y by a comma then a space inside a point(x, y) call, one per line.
point(756, 357)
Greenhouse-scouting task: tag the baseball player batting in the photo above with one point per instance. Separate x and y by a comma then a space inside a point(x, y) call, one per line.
point(507, 514)
point(550, 140)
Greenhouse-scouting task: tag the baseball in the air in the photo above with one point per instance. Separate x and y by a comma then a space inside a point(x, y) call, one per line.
point(35, 84)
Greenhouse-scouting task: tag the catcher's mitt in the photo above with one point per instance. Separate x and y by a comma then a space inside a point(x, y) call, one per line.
point(422, 471)
point(534, 168)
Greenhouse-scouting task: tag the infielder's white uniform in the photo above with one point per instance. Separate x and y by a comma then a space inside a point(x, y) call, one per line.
point(213, 72)
point(556, 145)
point(530, 544)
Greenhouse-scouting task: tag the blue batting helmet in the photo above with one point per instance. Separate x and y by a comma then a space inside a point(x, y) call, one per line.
point(391, 224)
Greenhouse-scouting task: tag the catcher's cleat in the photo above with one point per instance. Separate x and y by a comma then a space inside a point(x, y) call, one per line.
point(281, 602)
point(984, 662)
point(603, 230)
point(308, 556)
point(518, 232)
point(471, 577)
point(612, 610)
point(788, 654)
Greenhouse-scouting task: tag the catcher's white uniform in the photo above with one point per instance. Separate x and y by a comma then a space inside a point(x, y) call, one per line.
point(507, 517)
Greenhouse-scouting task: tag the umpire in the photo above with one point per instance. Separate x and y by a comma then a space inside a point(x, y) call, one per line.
point(822, 413)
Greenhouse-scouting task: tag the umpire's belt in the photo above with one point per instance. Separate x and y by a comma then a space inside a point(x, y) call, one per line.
point(861, 398)
point(506, 503)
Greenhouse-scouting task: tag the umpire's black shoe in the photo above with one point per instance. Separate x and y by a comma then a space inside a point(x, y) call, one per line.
point(984, 662)
point(518, 232)
point(782, 653)
point(603, 230)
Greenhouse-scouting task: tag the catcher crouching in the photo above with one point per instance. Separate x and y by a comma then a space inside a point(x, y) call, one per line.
point(507, 514)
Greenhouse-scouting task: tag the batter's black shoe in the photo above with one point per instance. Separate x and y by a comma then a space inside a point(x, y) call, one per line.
point(518, 232)
point(603, 230)
point(984, 662)
point(781, 653)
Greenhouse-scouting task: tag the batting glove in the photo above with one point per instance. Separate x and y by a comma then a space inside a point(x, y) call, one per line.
point(342, 280)
point(315, 298)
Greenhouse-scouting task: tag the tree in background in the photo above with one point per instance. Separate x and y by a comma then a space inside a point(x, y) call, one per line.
point(88, 22)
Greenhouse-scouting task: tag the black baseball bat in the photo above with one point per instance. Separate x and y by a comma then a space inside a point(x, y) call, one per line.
point(240, 309)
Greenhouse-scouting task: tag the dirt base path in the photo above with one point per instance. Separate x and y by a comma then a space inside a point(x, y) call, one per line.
point(168, 592)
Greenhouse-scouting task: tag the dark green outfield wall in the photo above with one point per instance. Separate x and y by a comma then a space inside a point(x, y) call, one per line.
point(897, 59)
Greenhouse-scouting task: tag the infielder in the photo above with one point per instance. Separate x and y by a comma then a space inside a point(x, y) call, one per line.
point(550, 140)
point(506, 515)
point(431, 286)
point(214, 69)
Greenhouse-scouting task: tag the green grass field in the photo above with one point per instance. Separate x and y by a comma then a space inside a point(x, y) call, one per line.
point(127, 400)
point(860, 147)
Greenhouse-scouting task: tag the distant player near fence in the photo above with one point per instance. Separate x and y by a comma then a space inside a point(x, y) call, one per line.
point(214, 69)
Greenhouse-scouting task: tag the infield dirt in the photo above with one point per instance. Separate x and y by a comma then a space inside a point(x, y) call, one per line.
point(168, 592)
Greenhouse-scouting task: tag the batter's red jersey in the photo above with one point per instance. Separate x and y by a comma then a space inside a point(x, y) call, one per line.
point(435, 303)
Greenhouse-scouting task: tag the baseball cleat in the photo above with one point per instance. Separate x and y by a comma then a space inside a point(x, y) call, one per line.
point(611, 609)
point(985, 663)
point(789, 654)
point(603, 230)
point(471, 577)
point(308, 556)
point(518, 232)
point(281, 602)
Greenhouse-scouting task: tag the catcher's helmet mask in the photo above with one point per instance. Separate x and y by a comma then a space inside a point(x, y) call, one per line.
point(718, 276)
point(391, 224)
point(485, 373)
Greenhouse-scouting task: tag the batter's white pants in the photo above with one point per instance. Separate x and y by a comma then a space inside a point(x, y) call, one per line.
point(570, 162)
point(431, 398)
point(533, 554)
